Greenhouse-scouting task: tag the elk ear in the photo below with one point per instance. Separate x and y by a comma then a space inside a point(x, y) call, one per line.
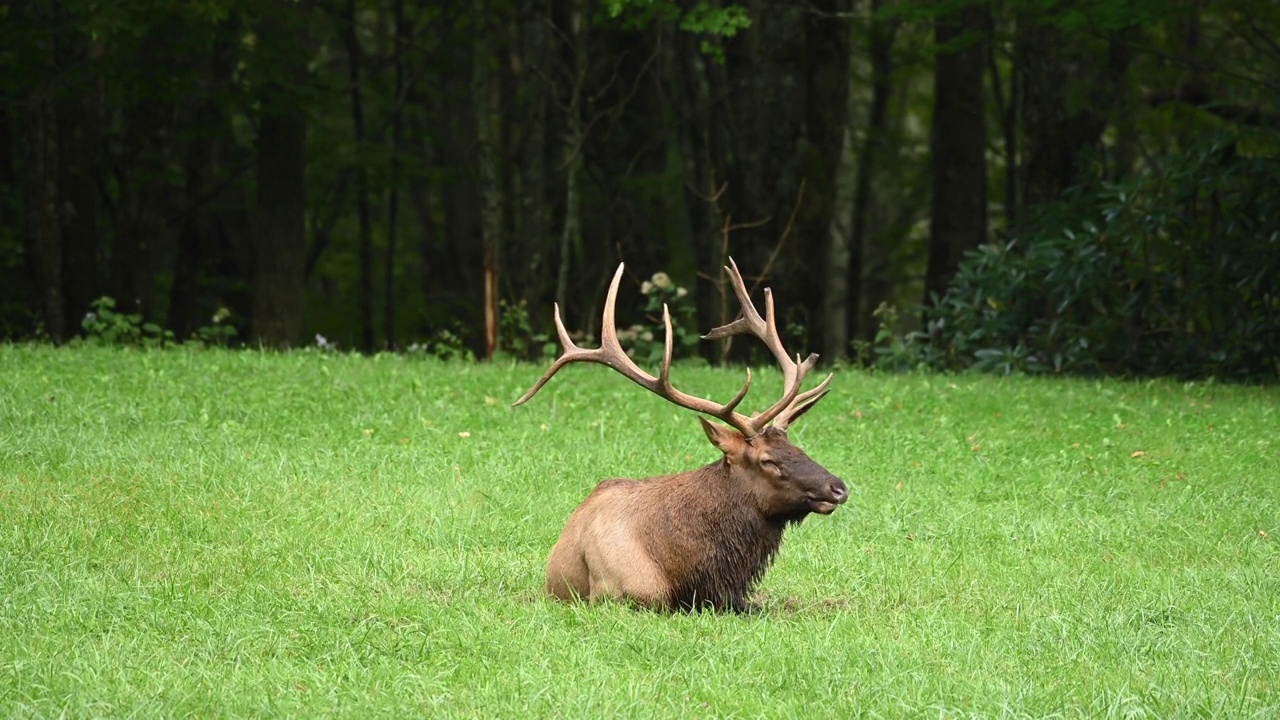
point(726, 439)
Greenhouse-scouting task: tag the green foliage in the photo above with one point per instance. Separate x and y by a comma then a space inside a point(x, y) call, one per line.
point(713, 23)
point(103, 325)
point(516, 336)
point(1169, 273)
point(236, 534)
point(445, 344)
point(890, 350)
point(220, 333)
point(637, 13)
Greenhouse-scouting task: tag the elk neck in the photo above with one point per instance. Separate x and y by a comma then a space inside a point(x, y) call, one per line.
point(717, 541)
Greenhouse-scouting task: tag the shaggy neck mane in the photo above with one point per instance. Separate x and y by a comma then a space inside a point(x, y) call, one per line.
point(726, 547)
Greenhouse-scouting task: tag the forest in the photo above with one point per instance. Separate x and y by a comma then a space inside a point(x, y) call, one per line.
point(1084, 187)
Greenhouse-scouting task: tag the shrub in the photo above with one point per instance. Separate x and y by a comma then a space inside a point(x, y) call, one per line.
point(104, 325)
point(1169, 273)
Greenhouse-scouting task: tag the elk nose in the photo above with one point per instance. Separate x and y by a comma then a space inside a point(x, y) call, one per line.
point(838, 491)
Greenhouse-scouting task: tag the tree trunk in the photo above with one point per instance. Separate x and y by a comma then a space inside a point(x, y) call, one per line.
point(571, 231)
point(401, 39)
point(683, 67)
point(367, 331)
point(1054, 130)
point(869, 266)
point(531, 226)
point(144, 164)
point(12, 214)
point(1007, 112)
point(280, 244)
point(204, 202)
point(487, 90)
point(827, 55)
point(1122, 109)
point(191, 236)
point(139, 226)
point(836, 307)
point(958, 145)
point(43, 227)
point(79, 120)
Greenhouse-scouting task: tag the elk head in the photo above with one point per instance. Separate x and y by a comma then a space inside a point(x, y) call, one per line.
point(783, 481)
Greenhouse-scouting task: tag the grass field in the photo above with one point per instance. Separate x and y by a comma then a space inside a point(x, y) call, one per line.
point(219, 534)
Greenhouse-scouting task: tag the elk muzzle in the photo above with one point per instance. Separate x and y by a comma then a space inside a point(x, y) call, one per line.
point(830, 494)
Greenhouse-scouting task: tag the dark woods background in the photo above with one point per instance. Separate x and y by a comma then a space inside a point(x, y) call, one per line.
point(1088, 186)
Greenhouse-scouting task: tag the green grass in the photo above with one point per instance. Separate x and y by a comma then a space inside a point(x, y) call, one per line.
point(214, 533)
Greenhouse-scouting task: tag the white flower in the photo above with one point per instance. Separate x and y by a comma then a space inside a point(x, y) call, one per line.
point(681, 292)
point(662, 281)
point(647, 336)
point(646, 287)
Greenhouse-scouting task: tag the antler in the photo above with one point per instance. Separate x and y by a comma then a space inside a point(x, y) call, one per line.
point(611, 353)
point(782, 413)
point(793, 403)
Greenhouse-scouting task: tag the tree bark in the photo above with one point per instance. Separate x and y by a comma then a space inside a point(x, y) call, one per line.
point(958, 145)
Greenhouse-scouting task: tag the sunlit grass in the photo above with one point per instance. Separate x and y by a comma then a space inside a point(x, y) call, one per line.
point(212, 533)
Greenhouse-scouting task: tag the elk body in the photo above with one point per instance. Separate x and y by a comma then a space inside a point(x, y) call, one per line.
point(702, 538)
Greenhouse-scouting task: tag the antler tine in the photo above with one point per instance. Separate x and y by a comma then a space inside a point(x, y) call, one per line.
point(802, 403)
point(724, 412)
point(793, 402)
point(571, 353)
point(607, 352)
point(750, 322)
point(611, 353)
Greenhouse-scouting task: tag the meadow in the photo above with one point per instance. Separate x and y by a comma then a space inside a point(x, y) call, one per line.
point(219, 534)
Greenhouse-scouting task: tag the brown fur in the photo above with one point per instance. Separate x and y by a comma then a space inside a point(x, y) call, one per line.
point(697, 540)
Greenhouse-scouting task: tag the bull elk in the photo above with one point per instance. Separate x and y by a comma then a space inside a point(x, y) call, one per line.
point(698, 539)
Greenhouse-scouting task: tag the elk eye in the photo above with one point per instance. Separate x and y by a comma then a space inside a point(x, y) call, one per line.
point(772, 467)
